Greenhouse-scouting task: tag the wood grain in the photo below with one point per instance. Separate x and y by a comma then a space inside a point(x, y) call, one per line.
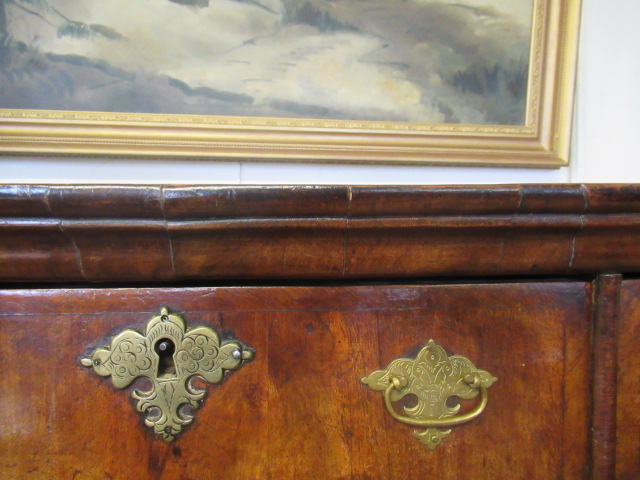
point(147, 233)
point(298, 410)
point(604, 354)
point(628, 387)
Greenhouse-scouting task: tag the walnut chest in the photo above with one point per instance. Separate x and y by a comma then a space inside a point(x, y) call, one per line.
point(319, 332)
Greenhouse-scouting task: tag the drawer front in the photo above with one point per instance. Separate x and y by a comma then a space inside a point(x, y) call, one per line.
point(299, 408)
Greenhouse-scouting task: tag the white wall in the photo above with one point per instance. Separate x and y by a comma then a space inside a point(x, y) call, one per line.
point(606, 123)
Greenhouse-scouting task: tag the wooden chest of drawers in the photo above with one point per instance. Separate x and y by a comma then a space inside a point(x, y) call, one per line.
point(323, 286)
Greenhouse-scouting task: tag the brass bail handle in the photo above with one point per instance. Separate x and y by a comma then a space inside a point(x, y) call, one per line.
point(399, 383)
point(432, 377)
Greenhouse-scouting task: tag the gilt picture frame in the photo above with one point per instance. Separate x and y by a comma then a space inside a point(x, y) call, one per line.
point(466, 82)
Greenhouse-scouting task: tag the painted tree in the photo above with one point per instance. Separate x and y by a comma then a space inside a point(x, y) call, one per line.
point(66, 27)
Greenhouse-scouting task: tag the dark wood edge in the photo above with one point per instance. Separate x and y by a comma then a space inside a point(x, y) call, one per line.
point(172, 233)
point(205, 202)
point(604, 376)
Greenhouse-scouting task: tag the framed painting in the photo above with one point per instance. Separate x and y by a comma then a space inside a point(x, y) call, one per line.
point(485, 82)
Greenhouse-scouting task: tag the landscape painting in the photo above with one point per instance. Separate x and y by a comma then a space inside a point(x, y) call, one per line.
point(426, 61)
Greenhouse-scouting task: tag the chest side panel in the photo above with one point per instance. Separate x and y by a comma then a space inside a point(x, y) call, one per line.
point(628, 414)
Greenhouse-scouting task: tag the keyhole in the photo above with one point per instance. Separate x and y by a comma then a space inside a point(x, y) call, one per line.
point(165, 350)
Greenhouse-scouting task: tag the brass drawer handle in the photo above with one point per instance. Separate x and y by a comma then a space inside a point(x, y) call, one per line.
point(170, 356)
point(434, 378)
point(399, 384)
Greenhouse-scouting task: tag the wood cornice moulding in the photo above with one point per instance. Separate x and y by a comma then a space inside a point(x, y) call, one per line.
point(173, 233)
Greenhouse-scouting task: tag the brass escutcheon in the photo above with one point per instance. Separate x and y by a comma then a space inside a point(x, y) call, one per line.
point(170, 356)
point(433, 377)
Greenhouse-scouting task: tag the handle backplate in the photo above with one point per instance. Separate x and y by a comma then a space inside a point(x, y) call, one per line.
point(437, 381)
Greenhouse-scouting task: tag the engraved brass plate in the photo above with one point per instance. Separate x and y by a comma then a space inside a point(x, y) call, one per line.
point(435, 379)
point(170, 356)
